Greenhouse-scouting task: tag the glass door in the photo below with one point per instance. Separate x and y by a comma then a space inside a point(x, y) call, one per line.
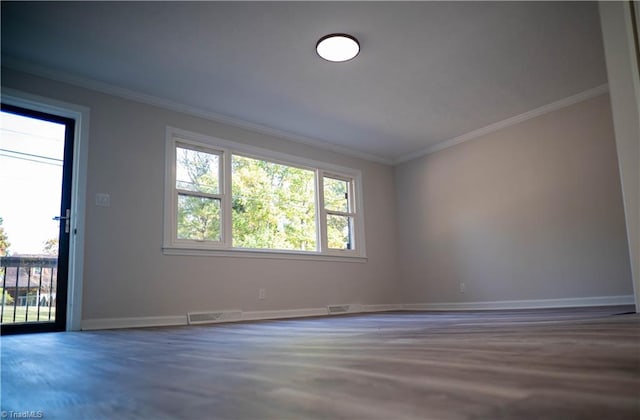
point(36, 151)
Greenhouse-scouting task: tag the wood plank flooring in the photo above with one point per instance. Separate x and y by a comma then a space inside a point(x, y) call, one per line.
point(536, 364)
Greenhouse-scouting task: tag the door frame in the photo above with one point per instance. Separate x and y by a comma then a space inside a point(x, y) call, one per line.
point(80, 115)
point(64, 229)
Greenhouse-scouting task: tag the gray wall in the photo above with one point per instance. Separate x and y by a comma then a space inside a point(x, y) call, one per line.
point(532, 211)
point(126, 273)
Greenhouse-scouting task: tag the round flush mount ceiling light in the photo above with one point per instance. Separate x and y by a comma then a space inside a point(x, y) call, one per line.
point(338, 47)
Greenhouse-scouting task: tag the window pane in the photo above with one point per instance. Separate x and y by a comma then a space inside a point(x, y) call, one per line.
point(339, 231)
point(273, 205)
point(198, 218)
point(197, 171)
point(336, 194)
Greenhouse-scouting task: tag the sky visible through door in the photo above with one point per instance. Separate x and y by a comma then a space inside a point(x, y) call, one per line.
point(31, 158)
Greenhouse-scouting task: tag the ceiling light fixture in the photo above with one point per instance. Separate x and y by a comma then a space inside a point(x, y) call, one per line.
point(338, 47)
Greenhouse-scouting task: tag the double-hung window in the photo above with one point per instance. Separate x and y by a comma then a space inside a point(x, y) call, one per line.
point(223, 197)
point(198, 179)
point(339, 212)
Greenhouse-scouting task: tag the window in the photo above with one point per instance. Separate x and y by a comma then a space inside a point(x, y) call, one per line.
point(198, 191)
point(273, 205)
point(339, 211)
point(227, 198)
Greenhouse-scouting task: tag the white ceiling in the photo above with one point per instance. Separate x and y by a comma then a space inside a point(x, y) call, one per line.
point(427, 71)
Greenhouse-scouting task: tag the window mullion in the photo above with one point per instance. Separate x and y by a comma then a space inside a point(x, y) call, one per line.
point(227, 202)
point(321, 213)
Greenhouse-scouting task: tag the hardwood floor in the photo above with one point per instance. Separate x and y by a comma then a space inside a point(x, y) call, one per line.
point(535, 364)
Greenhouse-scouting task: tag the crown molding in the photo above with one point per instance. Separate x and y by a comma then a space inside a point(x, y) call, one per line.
point(491, 128)
point(109, 89)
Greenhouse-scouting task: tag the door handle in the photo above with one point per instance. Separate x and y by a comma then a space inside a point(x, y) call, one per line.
point(67, 220)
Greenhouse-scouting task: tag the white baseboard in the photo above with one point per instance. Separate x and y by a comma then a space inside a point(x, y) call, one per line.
point(282, 314)
point(383, 308)
point(166, 321)
point(162, 321)
point(523, 304)
point(177, 320)
point(138, 322)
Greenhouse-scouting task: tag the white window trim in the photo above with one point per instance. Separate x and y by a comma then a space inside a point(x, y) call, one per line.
point(173, 246)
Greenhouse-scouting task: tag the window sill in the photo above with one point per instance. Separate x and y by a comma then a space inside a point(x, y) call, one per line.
point(266, 254)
